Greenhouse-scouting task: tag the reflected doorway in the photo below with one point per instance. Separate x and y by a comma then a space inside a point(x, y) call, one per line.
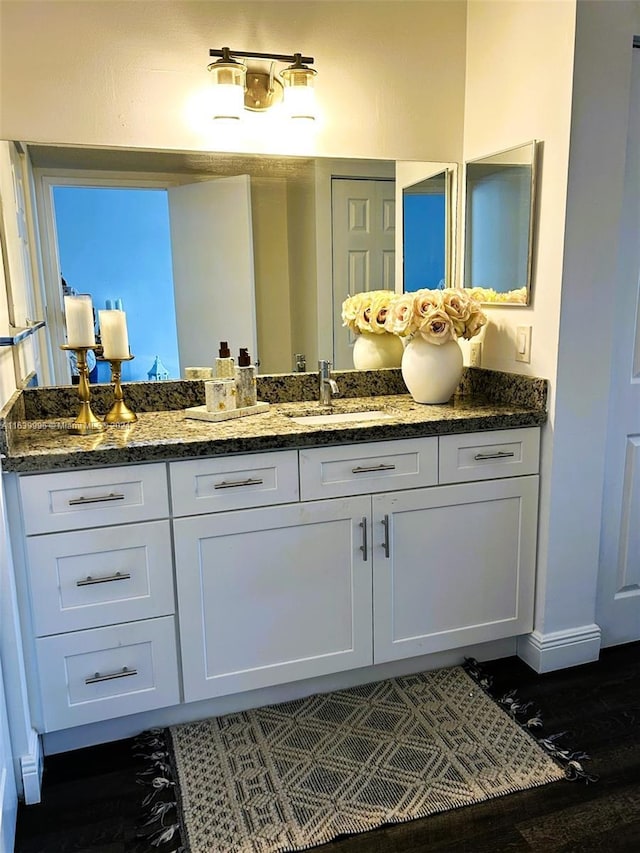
point(114, 244)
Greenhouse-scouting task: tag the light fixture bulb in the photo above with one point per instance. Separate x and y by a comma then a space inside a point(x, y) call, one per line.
point(227, 100)
point(299, 94)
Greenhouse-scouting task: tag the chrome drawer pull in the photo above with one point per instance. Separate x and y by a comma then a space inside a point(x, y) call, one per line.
point(249, 482)
point(500, 454)
point(110, 676)
point(119, 576)
point(96, 500)
point(381, 467)
point(385, 544)
point(364, 547)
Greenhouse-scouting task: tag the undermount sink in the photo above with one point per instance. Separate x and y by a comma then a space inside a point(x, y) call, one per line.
point(340, 418)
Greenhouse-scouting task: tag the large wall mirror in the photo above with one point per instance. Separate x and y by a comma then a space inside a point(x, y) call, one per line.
point(500, 193)
point(205, 247)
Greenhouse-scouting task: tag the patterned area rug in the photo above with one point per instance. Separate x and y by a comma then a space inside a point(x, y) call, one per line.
point(295, 775)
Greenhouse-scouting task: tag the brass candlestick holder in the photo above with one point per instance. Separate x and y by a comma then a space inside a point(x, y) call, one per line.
point(119, 413)
point(86, 423)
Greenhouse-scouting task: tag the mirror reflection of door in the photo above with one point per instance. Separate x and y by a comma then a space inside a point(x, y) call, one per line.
point(213, 268)
point(364, 227)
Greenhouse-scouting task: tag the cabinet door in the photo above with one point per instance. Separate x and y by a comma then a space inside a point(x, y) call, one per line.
point(457, 566)
point(271, 595)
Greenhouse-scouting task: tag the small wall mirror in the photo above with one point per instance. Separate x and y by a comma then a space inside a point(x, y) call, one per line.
point(500, 193)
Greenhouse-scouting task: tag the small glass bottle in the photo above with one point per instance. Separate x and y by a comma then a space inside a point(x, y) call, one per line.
point(246, 386)
point(224, 362)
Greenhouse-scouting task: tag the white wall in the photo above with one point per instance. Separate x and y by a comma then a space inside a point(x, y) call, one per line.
point(390, 73)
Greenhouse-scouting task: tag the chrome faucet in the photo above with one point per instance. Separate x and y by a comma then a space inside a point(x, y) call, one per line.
point(328, 386)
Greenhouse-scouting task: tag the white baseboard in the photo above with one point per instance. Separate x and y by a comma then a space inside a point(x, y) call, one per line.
point(560, 649)
point(31, 769)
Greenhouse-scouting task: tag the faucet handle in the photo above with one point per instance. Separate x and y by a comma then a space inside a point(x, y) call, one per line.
point(324, 368)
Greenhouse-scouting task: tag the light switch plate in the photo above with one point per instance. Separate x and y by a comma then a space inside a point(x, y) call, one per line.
point(523, 344)
point(475, 354)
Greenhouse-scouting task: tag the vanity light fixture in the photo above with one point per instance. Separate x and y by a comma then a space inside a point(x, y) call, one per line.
point(253, 86)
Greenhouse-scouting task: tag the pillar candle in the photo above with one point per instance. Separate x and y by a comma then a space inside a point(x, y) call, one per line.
point(78, 312)
point(113, 333)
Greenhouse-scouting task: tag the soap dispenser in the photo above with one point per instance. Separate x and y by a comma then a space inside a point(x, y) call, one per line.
point(224, 362)
point(246, 386)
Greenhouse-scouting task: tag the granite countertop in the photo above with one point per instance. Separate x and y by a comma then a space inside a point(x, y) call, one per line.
point(34, 440)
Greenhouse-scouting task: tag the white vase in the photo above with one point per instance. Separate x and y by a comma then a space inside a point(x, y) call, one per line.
point(372, 352)
point(431, 372)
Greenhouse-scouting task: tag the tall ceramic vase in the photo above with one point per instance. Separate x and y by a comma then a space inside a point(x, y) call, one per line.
point(431, 372)
point(372, 352)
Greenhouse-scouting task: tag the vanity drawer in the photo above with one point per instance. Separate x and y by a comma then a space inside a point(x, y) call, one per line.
point(94, 675)
point(70, 500)
point(234, 482)
point(327, 472)
point(91, 578)
point(489, 455)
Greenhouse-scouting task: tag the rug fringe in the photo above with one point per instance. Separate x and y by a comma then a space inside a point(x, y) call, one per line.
point(159, 826)
point(529, 717)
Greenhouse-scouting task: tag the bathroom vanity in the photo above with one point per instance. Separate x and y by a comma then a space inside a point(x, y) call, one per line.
point(177, 568)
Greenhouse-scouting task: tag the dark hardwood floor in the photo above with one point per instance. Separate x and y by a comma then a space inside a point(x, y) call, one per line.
point(91, 799)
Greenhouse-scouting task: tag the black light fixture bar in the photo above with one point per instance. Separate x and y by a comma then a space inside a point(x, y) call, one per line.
point(226, 54)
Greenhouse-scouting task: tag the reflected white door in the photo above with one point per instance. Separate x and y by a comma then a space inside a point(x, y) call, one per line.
point(213, 270)
point(618, 612)
point(364, 228)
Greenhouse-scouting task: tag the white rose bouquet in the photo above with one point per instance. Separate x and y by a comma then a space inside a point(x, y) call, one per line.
point(367, 312)
point(438, 315)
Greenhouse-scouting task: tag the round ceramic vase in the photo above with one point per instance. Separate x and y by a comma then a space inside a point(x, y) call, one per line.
point(431, 372)
point(372, 352)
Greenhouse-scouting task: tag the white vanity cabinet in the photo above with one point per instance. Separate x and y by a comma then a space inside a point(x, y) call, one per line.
point(99, 580)
point(287, 565)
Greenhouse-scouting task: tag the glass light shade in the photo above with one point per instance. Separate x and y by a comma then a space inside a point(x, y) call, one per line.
point(299, 95)
point(228, 89)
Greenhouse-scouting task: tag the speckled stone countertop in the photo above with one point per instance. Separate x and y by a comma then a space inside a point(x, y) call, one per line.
point(33, 436)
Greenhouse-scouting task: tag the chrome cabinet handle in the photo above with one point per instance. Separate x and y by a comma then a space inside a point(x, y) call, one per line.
point(98, 499)
point(110, 676)
point(500, 454)
point(381, 467)
point(365, 546)
point(385, 544)
point(118, 576)
point(231, 485)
